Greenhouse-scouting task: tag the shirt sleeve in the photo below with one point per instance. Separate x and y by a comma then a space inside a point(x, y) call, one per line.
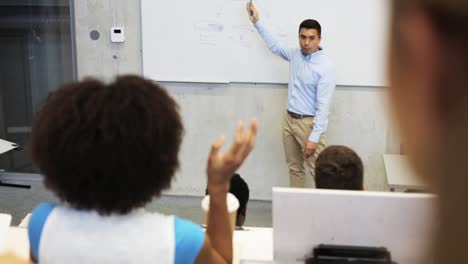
point(325, 90)
point(189, 239)
point(272, 41)
point(36, 225)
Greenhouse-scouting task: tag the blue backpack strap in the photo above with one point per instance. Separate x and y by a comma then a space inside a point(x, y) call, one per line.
point(189, 239)
point(36, 225)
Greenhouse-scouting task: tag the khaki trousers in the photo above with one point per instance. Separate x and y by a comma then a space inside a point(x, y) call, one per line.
point(295, 135)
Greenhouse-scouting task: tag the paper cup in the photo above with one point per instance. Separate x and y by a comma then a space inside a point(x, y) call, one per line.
point(232, 206)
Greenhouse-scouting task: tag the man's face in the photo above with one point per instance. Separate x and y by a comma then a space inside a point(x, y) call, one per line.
point(309, 40)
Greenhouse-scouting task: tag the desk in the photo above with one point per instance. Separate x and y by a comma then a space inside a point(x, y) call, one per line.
point(252, 245)
point(17, 242)
point(399, 174)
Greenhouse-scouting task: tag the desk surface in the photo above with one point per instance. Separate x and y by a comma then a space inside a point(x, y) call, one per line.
point(17, 242)
point(252, 245)
point(5, 220)
point(400, 174)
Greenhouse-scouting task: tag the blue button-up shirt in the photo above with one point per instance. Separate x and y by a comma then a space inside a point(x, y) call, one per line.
point(312, 81)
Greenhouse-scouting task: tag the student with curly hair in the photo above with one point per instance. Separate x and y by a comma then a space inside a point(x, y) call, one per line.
point(108, 149)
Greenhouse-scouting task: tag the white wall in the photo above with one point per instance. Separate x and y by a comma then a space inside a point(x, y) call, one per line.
point(358, 118)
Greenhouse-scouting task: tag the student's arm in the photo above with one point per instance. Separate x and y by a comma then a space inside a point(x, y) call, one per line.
point(217, 247)
point(208, 254)
point(275, 46)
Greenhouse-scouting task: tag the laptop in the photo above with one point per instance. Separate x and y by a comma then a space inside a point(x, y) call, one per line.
point(304, 218)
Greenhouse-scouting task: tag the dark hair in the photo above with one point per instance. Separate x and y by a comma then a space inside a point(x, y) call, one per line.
point(311, 24)
point(339, 167)
point(240, 189)
point(107, 147)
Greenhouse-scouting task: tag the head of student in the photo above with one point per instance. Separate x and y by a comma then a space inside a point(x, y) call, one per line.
point(339, 167)
point(240, 189)
point(429, 93)
point(310, 35)
point(107, 147)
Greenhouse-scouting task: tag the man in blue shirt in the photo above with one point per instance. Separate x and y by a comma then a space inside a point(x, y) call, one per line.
point(312, 82)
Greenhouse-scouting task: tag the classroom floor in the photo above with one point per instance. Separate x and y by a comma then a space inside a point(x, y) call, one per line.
point(20, 202)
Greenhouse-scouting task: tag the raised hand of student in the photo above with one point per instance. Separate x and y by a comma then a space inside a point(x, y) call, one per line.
point(221, 166)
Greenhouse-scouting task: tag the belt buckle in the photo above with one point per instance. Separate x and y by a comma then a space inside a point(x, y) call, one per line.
point(294, 115)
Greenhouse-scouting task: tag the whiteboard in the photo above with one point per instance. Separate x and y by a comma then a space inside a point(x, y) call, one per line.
point(214, 40)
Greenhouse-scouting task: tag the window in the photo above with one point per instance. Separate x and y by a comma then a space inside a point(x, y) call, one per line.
point(36, 56)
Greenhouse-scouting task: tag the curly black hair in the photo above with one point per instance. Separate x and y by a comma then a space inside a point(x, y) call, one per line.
point(107, 147)
point(339, 167)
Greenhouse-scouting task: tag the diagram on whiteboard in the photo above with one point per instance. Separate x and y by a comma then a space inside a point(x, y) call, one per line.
point(209, 31)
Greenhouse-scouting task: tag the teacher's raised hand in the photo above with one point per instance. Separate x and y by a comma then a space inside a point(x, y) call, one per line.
point(253, 12)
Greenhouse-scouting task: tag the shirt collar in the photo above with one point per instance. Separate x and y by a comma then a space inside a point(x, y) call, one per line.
point(309, 56)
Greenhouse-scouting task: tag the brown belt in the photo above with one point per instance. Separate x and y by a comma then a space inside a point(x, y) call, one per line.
point(298, 116)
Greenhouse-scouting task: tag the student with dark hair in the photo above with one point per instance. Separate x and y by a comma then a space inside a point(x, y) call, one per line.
point(310, 90)
point(339, 167)
point(240, 189)
point(108, 149)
